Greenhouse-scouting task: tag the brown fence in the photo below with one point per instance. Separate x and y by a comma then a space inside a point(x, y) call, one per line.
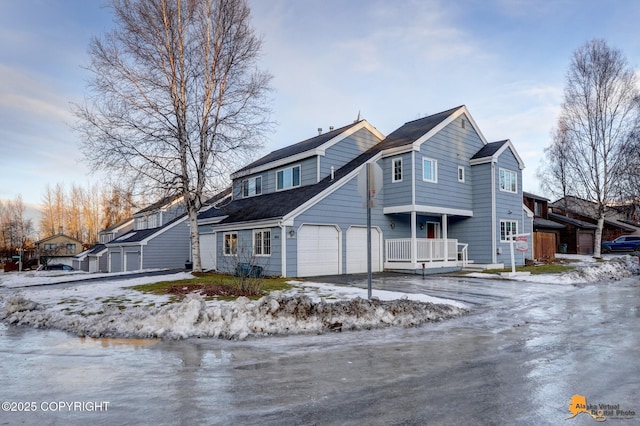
point(544, 245)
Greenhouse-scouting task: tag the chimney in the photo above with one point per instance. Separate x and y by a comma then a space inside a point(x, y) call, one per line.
point(319, 131)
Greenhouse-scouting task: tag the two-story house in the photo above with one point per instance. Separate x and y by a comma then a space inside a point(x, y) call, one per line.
point(159, 239)
point(447, 197)
point(59, 248)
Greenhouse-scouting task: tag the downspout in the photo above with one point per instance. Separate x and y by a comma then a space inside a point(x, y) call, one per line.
point(494, 248)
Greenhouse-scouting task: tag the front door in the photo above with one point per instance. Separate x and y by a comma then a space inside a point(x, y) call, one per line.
point(433, 230)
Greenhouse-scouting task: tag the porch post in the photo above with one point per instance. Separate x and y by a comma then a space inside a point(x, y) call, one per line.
point(445, 236)
point(414, 242)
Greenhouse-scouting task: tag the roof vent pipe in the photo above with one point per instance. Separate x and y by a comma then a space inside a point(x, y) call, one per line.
point(331, 128)
point(319, 130)
point(332, 172)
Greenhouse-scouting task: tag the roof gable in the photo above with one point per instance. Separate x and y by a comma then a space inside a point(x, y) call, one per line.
point(414, 133)
point(309, 147)
point(493, 150)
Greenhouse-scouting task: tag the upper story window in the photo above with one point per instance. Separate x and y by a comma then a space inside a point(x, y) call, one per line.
point(429, 170)
point(537, 206)
point(71, 248)
point(508, 181)
point(53, 246)
point(141, 223)
point(262, 243)
point(396, 170)
point(152, 221)
point(252, 186)
point(288, 178)
point(461, 174)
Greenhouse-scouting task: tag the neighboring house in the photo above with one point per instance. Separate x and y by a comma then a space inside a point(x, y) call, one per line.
point(446, 196)
point(95, 259)
point(159, 239)
point(546, 232)
point(581, 217)
point(58, 248)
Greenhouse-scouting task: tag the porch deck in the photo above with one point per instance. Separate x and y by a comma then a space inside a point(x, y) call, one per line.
point(429, 253)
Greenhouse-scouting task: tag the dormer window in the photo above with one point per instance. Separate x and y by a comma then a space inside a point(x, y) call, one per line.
point(288, 178)
point(252, 186)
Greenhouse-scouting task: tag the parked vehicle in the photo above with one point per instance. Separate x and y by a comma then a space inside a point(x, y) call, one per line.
point(55, 267)
point(623, 243)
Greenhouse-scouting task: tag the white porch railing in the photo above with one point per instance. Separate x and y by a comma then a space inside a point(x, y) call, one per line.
point(428, 250)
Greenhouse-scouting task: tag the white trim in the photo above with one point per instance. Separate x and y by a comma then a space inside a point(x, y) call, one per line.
point(250, 224)
point(418, 208)
point(461, 180)
point(413, 177)
point(253, 238)
point(293, 166)
point(494, 157)
point(363, 124)
point(434, 162)
point(502, 169)
point(446, 122)
point(149, 237)
point(513, 234)
point(224, 246)
point(393, 170)
point(494, 237)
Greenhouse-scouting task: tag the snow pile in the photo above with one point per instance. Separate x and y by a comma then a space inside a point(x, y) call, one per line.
point(192, 317)
point(612, 270)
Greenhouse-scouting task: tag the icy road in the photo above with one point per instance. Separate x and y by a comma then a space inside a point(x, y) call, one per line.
point(519, 357)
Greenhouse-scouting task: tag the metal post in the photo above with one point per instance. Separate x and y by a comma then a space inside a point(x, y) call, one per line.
point(369, 278)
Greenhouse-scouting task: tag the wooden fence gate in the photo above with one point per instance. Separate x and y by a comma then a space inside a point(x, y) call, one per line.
point(544, 245)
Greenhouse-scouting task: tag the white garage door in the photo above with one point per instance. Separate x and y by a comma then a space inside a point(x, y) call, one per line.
point(318, 251)
point(357, 250)
point(208, 251)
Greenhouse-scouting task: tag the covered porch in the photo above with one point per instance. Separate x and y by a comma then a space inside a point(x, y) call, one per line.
point(428, 245)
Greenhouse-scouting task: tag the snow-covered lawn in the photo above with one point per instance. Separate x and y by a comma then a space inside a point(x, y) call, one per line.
point(112, 309)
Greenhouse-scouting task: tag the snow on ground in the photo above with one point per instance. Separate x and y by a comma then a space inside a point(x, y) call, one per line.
point(587, 270)
point(112, 309)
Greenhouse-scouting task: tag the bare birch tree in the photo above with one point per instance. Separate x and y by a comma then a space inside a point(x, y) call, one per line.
point(177, 96)
point(599, 112)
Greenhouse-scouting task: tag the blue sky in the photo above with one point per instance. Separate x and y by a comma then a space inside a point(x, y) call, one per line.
point(392, 61)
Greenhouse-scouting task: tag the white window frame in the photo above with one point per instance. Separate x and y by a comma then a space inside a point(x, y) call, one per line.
point(229, 250)
point(461, 174)
point(284, 188)
point(250, 187)
point(434, 168)
point(503, 230)
point(393, 169)
point(502, 178)
point(259, 247)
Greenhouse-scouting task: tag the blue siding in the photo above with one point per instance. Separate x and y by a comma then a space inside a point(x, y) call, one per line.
point(398, 193)
point(271, 264)
point(476, 230)
point(346, 150)
point(508, 204)
point(453, 146)
point(168, 250)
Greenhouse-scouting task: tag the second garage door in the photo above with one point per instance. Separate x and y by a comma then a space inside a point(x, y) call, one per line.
point(357, 250)
point(318, 250)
